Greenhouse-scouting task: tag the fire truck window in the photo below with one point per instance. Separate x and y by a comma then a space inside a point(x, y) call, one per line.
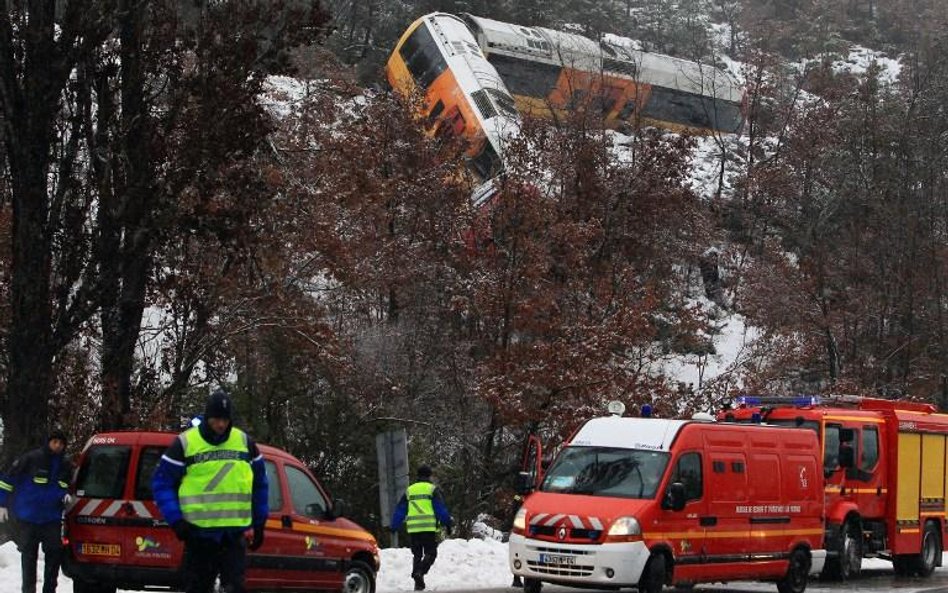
point(306, 497)
point(275, 490)
point(688, 472)
point(102, 474)
point(831, 447)
point(870, 448)
point(147, 462)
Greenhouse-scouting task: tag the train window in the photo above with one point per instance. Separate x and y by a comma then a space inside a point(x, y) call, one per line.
point(486, 164)
point(423, 57)
point(525, 77)
point(436, 110)
point(693, 110)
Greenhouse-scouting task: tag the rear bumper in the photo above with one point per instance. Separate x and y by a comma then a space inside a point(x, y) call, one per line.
point(124, 577)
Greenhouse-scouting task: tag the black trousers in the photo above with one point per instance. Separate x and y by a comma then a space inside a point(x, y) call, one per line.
point(28, 538)
point(424, 551)
point(206, 558)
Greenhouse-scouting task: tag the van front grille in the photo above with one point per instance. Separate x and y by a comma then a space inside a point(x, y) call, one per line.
point(560, 570)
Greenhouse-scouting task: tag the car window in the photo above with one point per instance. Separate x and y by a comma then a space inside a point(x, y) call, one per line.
point(307, 499)
point(102, 474)
point(147, 462)
point(275, 493)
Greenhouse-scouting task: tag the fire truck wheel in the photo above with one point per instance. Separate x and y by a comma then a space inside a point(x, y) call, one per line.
point(927, 560)
point(848, 562)
point(359, 579)
point(798, 570)
point(532, 585)
point(653, 577)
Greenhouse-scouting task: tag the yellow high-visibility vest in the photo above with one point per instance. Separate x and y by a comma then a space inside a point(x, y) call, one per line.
point(420, 515)
point(217, 487)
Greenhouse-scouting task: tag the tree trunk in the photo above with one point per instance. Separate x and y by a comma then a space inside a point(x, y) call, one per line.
point(126, 231)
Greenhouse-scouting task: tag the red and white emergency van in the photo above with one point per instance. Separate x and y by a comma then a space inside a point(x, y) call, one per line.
point(884, 465)
point(648, 502)
point(116, 538)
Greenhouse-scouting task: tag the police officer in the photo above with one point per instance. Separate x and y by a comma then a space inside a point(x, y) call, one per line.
point(34, 490)
point(211, 487)
point(421, 509)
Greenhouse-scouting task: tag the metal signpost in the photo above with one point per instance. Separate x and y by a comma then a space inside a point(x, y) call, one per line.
point(392, 449)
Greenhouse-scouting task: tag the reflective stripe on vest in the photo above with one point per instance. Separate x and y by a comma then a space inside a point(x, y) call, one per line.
point(217, 487)
point(421, 515)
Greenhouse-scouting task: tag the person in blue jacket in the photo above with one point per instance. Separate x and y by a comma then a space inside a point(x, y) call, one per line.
point(33, 493)
point(211, 487)
point(422, 510)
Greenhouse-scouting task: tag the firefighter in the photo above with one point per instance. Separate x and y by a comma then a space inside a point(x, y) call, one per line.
point(211, 487)
point(422, 509)
point(34, 492)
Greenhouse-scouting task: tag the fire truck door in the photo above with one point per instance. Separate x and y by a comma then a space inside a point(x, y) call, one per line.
point(686, 530)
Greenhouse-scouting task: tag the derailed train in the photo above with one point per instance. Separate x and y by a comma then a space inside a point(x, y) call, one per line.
point(477, 75)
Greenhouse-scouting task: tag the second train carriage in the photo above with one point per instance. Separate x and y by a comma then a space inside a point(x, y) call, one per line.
point(550, 72)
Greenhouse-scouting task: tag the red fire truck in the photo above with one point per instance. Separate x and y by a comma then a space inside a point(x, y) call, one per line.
point(884, 467)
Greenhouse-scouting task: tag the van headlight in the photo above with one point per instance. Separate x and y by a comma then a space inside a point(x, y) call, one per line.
point(520, 521)
point(624, 529)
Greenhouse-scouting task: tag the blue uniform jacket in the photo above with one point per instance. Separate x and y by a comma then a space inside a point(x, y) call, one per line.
point(34, 486)
point(171, 470)
point(437, 501)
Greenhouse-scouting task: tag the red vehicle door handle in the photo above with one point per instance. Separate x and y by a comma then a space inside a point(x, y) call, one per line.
point(287, 521)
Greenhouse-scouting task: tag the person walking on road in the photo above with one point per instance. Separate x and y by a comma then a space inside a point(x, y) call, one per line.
point(211, 487)
point(34, 491)
point(422, 509)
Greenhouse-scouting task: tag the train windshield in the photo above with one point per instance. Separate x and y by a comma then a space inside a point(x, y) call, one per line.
point(605, 471)
point(422, 57)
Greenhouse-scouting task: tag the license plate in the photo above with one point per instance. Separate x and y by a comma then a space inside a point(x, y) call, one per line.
point(101, 549)
point(557, 559)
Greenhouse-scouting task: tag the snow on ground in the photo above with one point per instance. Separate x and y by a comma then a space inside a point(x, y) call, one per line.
point(461, 565)
point(860, 58)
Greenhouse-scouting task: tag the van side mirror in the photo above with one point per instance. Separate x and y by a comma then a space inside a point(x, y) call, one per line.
point(675, 497)
point(524, 483)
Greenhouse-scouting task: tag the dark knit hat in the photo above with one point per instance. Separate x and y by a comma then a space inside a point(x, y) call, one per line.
point(424, 471)
point(219, 405)
point(57, 434)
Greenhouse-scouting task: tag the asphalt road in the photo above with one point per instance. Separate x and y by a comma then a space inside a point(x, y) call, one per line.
point(873, 580)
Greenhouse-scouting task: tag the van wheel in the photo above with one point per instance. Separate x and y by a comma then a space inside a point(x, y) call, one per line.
point(532, 585)
point(359, 578)
point(848, 563)
point(653, 577)
point(80, 586)
point(798, 571)
point(927, 560)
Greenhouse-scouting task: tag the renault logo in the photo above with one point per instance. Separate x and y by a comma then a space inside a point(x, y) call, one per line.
point(561, 533)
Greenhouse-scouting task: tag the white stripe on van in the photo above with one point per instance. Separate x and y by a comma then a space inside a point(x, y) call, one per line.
point(596, 524)
point(554, 520)
point(113, 508)
point(141, 509)
point(538, 517)
point(90, 506)
point(576, 521)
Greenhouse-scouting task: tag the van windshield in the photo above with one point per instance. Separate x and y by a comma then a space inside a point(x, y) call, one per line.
point(604, 471)
point(102, 474)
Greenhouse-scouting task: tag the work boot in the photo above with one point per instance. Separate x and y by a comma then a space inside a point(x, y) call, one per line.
point(516, 581)
point(419, 581)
